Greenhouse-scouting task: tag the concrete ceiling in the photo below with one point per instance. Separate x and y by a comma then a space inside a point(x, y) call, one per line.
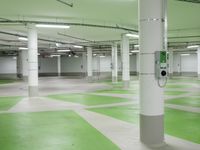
point(183, 19)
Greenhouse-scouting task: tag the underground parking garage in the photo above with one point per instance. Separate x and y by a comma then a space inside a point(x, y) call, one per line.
point(103, 75)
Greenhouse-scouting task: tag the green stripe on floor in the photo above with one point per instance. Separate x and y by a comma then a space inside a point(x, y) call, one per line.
point(6, 81)
point(178, 123)
point(183, 124)
point(64, 130)
point(186, 101)
point(124, 113)
point(173, 93)
point(7, 102)
point(87, 99)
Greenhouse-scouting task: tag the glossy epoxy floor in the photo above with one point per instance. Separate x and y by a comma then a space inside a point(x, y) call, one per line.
point(74, 114)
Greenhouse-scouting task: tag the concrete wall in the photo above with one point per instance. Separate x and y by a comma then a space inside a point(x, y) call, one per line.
point(8, 67)
point(47, 66)
point(185, 65)
point(182, 65)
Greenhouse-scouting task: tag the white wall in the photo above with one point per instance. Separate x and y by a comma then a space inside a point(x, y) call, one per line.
point(47, 65)
point(72, 64)
point(177, 62)
point(8, 65)
point(189, 63)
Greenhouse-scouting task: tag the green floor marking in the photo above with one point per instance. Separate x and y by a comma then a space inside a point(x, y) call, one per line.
point(8, 102)
point(183, 124)
point(87, 99)
point(176, 86)
point(50, 131)
point(124, 113)
point(173, 93)
point(178, 123)
point(186, 101)
point(6, 81)
point(117, 91)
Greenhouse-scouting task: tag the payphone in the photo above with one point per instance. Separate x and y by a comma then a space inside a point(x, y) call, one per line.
point(161, 65)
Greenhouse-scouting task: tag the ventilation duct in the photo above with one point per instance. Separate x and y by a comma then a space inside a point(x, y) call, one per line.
point(191, 1)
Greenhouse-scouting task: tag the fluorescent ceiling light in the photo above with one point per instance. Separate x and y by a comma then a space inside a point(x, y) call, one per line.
point(58, 44)
point(136, 46)
point(70, 55)
point(22, 38)
point(94, 54)
point(77, 46)
point(23, 48)
point(185, 54)
point(64, 50)
point(102, 56)
point(136, 51)
point(132, 35)
point(55, 55)
point(52, 26)
point(193, 46)
point(76, 56)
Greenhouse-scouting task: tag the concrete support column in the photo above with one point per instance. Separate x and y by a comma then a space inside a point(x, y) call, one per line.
point(84, 64)
point(171, 63)
point(89, 64)
point(198, 58)
point(125, 61)
point(151, 28)
point(33, 60)
point(59, 65)
point(24, 56)
point(114, 63)
point(137, 63)
point(22, 65)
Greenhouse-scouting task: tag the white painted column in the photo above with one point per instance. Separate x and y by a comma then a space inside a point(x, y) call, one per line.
point(114, 63)
point(33, 60)
point(151, 28)
point(171, 63)
point(84, 64)
point(125, 61)
point(198, 60)
point(89, 64)
point(137, 63)
point(22, 65)
point(59, 65)
point(25, 65)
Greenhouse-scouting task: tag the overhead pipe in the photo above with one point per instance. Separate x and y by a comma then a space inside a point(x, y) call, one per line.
point(69, 24)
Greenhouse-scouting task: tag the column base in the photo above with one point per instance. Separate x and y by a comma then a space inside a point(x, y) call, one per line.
point(89, 78)
point(33, 91)
point(25, 78)
point(114, 79)
point(126, 84)
point(152, 130)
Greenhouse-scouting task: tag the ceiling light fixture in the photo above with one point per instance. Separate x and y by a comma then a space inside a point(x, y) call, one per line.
point(136, 46)
point(55, 55)
point(58, 44)
point(132, 35)
point(52, 26)
point(102, 56)
point(135, 51)
point(77, 46)
point(185, 54)
point(193, 46)
point(63, 50)
point(22, 39)
point(23, 48)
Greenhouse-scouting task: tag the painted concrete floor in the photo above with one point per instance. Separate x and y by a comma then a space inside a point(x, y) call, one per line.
point(76, 115)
